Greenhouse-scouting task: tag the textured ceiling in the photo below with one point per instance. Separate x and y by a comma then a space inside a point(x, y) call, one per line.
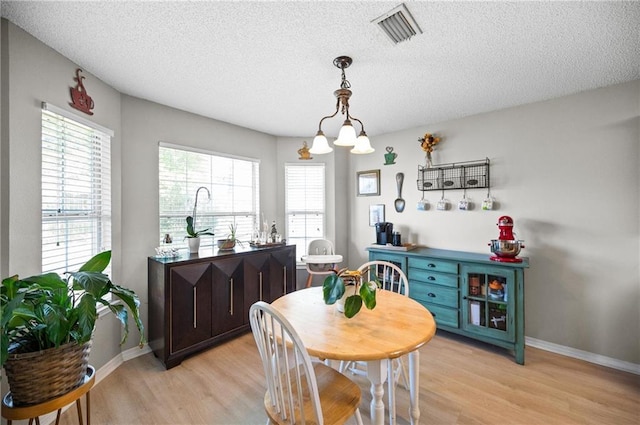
point(268, 65)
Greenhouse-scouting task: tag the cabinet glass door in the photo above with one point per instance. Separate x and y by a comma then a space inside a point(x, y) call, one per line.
point(488, 301)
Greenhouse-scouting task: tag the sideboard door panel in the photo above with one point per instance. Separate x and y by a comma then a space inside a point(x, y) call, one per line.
point(190, 305)
point(283, 273)
point(256, 279)
point(228, 297)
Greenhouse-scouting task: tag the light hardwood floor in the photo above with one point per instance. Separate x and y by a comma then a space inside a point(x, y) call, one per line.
point(461, 382)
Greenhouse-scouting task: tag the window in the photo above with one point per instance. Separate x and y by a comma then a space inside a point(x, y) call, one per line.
point(231, 181)
point(76, 190)
point(304, 204)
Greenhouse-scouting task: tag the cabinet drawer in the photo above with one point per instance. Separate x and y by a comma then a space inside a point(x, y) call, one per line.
point(428, 276)
point(433, 265)
point(442, 315)
point(435, 294)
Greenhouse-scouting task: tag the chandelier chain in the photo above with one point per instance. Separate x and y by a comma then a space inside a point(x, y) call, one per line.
point(345, 83)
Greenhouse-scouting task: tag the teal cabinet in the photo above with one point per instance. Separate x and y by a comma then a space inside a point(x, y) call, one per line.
point(466, 293)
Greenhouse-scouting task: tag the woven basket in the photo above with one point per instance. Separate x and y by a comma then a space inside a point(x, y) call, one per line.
point(43, 375)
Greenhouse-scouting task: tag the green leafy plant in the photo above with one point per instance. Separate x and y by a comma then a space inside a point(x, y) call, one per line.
point(46, 311)
point(192, 233)
point(334, 288)
point(231, 239)
point(232, 234)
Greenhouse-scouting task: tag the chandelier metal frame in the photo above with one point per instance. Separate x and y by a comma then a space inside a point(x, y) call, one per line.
point(346, 137)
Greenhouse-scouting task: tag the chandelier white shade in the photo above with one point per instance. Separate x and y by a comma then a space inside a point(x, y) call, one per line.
point(362, 145)
point(320, 144)
point(347, 135)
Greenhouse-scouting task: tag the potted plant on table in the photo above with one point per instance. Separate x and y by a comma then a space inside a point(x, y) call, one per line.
point(47, 324)
point(231, 240)
point(193, 236)
point(346, 289)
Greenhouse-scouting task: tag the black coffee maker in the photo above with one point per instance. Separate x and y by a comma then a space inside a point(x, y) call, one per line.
point(384, 233)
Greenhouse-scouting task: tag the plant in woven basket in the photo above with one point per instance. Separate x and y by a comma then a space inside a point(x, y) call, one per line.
point(48, 311)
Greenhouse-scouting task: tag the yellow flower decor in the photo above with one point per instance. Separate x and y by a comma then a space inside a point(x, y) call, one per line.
point(427, 143)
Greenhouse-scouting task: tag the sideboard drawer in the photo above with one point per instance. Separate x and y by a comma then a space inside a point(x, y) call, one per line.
point(433, 265)
point(428, 276)
point(435, 294)
point(443, 315)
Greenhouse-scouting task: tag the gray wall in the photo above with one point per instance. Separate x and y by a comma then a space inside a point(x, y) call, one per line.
point(144, 125)
point(36, 73)
point(4, 149)
point(566, 170)
point(337, 194)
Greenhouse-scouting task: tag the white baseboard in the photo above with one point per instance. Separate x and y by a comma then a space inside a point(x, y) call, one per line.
point(584, 355)
point(134, 352)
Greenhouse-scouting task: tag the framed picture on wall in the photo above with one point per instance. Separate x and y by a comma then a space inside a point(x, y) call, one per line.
point(369, 183)
point(376, 214)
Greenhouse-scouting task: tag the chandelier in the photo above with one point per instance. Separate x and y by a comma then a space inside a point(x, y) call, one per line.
point(347, 135)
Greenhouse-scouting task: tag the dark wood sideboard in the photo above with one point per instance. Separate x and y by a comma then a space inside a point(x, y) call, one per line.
point(200, 300)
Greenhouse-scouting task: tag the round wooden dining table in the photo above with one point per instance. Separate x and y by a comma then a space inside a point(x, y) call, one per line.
point(398, 325)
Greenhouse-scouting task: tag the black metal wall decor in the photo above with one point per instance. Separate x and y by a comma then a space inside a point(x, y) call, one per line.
point(456, 175)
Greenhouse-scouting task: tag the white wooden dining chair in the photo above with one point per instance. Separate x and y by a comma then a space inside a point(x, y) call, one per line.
point(390, 277)
point(299, 391)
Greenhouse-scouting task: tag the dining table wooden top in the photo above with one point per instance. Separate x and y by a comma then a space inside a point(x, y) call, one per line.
point(396, 326)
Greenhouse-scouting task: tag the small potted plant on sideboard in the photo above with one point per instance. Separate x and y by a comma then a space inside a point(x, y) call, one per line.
point(193, 236)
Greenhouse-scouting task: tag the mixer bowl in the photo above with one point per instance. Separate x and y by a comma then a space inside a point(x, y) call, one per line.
point(508, 249)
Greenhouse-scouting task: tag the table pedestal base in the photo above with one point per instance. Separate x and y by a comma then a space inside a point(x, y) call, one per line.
point(377, 373)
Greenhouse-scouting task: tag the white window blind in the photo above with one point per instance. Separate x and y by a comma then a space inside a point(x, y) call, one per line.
point(234, 186)
point(76, 190)
point(304, 204)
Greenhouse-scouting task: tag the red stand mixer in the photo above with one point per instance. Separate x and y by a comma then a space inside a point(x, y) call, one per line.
point(506, 247)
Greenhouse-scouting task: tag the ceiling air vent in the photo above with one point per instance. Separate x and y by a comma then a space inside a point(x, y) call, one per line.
point(398, 24)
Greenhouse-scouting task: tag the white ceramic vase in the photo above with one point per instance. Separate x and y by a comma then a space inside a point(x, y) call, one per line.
point(348, 291)
point(194, 245)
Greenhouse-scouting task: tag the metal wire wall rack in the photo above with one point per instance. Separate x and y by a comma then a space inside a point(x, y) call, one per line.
point(455, 175)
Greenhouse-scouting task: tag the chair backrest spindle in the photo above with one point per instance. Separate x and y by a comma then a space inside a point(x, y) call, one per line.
point(389, 275)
